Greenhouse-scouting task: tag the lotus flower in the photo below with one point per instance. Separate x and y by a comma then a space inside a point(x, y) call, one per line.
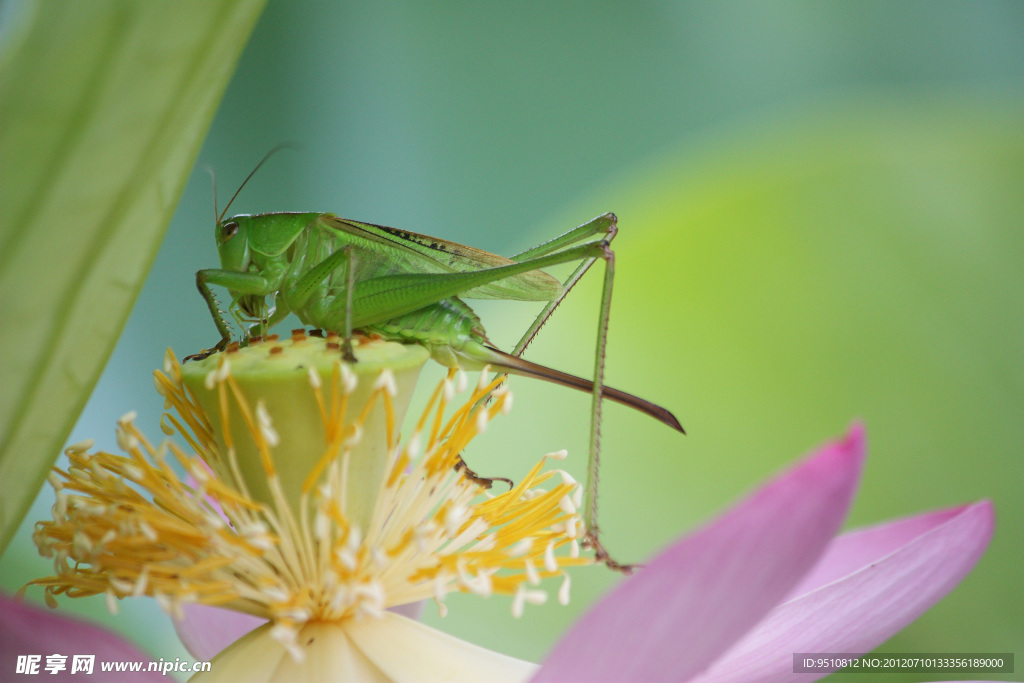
point(735, 600)
point(307, 518)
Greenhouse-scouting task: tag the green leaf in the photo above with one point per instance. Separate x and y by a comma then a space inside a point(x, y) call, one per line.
point(104, 106)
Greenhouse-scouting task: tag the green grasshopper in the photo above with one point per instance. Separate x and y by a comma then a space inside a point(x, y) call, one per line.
point(348, 276)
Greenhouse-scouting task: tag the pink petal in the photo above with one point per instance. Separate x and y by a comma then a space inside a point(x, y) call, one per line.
point(855, 549)
point(206, 630)
point(699, 596)
point(412, 610)
point(29, 630)
point(859, 612)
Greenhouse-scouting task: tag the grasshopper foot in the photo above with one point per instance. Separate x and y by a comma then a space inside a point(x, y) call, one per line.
point(206, 353)
point(347, 354)
point(486, 482)
point(601, 555)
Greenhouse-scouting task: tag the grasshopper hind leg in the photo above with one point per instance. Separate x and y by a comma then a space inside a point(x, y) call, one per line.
point(334, 312)
point(604, 227)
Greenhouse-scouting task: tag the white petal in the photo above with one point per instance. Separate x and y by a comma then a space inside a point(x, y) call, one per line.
point(406, 650)
point(391, 648)
point(259, 658)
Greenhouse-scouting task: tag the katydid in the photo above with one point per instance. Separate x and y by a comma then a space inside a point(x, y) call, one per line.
point(345, 275)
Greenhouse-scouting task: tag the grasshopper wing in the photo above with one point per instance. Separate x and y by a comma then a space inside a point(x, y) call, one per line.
point(445, 256)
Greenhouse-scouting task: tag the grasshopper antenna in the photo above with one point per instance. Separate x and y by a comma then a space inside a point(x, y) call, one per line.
point(269, 154)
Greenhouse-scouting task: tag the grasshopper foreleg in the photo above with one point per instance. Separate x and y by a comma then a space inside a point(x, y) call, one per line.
point(249, 283)
point(278, 313)
point(203, 278)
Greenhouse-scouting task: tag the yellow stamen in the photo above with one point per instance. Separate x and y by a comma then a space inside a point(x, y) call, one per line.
point(130, 525)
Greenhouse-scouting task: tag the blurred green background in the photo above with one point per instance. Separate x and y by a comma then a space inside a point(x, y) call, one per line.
point(821, 221)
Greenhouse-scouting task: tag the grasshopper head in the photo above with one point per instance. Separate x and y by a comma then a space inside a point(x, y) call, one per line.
point(233, 243)
point(235, 254)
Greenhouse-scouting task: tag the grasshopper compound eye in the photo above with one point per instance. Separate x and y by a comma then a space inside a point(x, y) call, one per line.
point(227, 231)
